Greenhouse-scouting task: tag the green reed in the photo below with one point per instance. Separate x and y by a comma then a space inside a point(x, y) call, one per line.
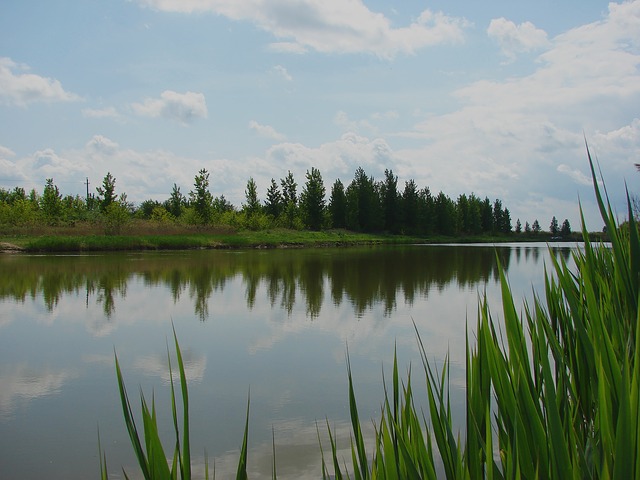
point(553, 393)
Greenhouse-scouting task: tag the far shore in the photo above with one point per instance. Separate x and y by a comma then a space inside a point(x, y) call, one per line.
point(277, 238)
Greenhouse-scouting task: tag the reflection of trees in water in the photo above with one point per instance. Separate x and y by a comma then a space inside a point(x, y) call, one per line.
point(363, 277)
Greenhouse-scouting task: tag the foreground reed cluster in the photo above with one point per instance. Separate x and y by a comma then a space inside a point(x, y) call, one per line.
point(553, 393)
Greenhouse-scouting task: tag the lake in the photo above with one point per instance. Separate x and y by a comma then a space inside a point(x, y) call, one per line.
point(272, 325)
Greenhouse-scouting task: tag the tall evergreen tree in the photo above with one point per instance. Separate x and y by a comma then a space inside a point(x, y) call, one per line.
point(176, 202)
point(273, 203)
point(251, 194)
point(51, 202)
point(107, 192)
point(312, 201)
point(565, 230)
point(410, 207)
point(289, 199)
point(390, 202)
point(554, 229)
point(200, 197)
point(338, 205)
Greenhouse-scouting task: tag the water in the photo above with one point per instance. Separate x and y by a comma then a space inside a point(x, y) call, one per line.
point(272, 325)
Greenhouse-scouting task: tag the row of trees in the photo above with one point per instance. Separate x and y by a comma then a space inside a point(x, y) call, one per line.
point(364, 205)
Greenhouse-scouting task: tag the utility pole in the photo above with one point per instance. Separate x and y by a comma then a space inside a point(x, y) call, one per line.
point(87, 191)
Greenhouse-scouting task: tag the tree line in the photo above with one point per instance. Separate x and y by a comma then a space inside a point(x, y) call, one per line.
point(364, 205)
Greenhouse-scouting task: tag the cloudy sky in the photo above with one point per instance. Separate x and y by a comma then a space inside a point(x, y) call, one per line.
point(492, 98)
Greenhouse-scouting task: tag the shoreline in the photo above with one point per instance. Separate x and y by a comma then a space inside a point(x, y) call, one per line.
point(247, 240)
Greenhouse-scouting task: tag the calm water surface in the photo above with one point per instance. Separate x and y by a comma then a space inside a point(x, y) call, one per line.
point(274, 325)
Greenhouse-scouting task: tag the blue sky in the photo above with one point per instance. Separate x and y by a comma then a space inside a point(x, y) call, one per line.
point(492, 98)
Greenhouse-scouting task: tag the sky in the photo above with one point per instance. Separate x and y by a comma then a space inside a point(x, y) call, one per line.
point(491, 98)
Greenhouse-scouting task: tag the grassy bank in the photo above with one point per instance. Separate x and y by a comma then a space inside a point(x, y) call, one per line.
point(70, 240)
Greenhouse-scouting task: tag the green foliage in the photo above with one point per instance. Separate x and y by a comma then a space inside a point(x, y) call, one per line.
point(338, 205)
point(273, 204)
point(200, 199)
point(107, 192)
point(312, 201)
point(115, 218)
point(252, 206)
point(556, 394)
point(51, 203)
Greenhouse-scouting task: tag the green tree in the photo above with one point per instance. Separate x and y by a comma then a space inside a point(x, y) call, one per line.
point(554, 229)
point(312, 200)
point(518, 226)
point(252, 206)
point(176, 202)
point(486, 214)
point(565, 230)
point(390, 202)
point(221, 205)
point(273, 203)
point(289, 199)
point(535, 227)
point(338, 205)
point(363, 203)
point(410, 200)
point(51, 202)
point(107, 192)
point(445, 213)
point(200, 197)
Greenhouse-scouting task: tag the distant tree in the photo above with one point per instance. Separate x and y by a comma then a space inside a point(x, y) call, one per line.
point(554, 229)
point(535, 227)
point(445, 214)
point(200, 197)
point(51, 202)
point(146, 208)
point(252, 206)
point(363, 201)
point(518, 226)
point(425, 220)
point(390, 202)
point(221, 205)
point(176, 202)
point(312, 200)
point(486, 215)
point(338, 205)
point(273, 203)
point(289, 199)
point(565, 230)
point(410, 207)
point(505, 221)
point(527, 227)
point(107, 192)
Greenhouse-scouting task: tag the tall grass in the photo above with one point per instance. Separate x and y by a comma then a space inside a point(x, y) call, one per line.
point(553, 393)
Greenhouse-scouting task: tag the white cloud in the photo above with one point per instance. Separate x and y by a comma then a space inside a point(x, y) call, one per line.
point(6, 152)
point(24, 88)
point(514, 39)
point(329, 26)
point(282, 72)
point(576, 175)
point(102, 144)
point(266, 131)
point(510, 139)
point(108, 112)
point(183, 107)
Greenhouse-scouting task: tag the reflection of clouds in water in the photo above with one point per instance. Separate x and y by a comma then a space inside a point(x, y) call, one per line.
point(21, 383)
point(297, 453)
point(157, 365)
